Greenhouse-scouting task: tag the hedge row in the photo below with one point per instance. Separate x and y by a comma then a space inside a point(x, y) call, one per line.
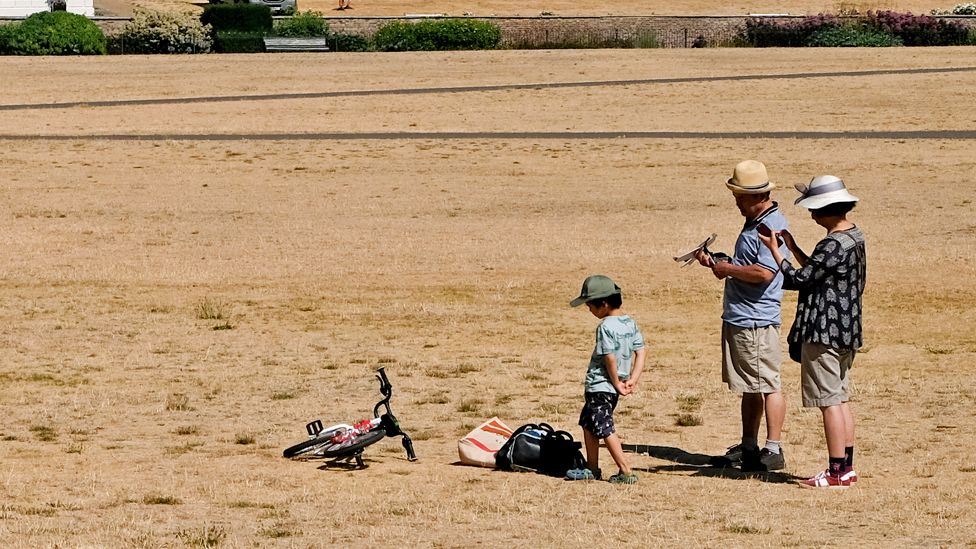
point(240, 28)
point(875, 29)
point(52, 33)
point(162, 32)
point(444, 34)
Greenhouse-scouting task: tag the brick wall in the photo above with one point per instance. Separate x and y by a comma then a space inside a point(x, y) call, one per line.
point(669, 31)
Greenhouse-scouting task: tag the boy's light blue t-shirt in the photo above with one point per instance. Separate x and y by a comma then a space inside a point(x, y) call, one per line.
point(620, 336)
point(749, 305)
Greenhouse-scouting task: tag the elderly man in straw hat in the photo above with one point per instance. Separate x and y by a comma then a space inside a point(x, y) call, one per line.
point(751, 351)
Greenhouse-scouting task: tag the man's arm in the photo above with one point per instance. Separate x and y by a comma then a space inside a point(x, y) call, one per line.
point(753, 274)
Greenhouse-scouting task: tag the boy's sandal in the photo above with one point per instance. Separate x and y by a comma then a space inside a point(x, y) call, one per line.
point(621, 478)
point(580, 474)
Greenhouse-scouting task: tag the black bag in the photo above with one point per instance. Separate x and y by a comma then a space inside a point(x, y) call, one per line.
point(795, 350)
point(541, 449)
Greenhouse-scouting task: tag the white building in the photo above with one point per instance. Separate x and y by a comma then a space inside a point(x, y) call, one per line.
point(23, 8)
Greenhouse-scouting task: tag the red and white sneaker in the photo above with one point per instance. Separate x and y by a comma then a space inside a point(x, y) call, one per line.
point(825, 480)
point(850, 476)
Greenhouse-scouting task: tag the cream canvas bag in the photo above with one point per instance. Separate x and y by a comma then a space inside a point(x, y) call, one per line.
point(479, 446)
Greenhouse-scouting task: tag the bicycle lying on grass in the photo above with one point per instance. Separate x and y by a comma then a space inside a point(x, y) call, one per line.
point(344, 442)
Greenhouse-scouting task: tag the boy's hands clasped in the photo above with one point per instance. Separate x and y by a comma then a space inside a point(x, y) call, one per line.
point(625, 388)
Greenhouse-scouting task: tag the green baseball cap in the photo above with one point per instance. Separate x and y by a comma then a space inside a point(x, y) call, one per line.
point(595, 287)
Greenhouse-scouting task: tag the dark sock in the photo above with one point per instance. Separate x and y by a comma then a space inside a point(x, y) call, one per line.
point(849, 458)
point(836, 467)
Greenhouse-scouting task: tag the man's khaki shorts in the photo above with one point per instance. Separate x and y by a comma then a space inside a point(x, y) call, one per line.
point(751, 358)
point(824, 375)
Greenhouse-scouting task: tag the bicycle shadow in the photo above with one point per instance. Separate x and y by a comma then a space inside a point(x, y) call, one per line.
point(347, 463)
point(702, 465)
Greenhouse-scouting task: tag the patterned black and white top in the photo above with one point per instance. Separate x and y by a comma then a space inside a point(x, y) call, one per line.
point(830, 283)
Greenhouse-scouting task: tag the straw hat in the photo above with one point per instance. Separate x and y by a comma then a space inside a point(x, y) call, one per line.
point(750, 177)
point(823, 190)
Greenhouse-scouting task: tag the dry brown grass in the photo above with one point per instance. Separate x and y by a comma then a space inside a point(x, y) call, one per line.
point(130, 422)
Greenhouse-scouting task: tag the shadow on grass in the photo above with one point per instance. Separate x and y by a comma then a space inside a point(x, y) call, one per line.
point(701, 465)
point(347, 463)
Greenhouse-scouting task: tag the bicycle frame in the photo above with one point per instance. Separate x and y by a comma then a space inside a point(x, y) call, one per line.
point(344, 441)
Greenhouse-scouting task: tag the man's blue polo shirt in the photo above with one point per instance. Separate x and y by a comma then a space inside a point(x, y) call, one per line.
point(755, 305)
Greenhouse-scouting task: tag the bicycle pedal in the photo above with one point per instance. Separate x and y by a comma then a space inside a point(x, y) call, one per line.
point(314, 427)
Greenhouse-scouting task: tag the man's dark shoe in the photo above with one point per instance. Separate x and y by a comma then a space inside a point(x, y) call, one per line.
point(732, 457)
point(763, 460)
point(750, 460)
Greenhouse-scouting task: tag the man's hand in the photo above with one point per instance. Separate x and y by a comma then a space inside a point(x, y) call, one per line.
point(722, 269)
point(704, 259)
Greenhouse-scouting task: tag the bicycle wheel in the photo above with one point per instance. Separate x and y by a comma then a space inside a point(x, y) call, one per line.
point(311, 444)
point(353, 446)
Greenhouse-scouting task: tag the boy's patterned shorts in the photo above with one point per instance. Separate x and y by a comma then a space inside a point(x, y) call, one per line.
point(597, 414)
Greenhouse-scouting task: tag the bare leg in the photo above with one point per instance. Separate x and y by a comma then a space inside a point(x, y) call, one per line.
point(834, 429)
point(617, 453)
point(752, 413)
point(848, 424)
point(775, 416)
point(592, 450)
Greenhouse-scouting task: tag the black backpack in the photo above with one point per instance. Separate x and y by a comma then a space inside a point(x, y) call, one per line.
point(541, 449)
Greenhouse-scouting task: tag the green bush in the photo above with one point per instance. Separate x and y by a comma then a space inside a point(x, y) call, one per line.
point(763, 33)
point(964, 9)
point(870, 29)
point(53, 33)
point(398, 36)
point(648, 39)
point(445, 34)
point(162, 32)
point(958, 9)
point(6, 31)
point(918, 30)
point(852, 37)
point(348, 42)
point(302, 24)
point(237, 17)
point(239, 42)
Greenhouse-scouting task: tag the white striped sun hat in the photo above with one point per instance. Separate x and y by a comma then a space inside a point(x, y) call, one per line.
point(823, 190)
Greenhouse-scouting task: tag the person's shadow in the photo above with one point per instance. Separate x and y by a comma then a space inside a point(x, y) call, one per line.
point(701, 464)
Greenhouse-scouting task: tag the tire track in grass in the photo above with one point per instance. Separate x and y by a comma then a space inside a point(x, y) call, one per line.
point(471, 89)
point(509, 136)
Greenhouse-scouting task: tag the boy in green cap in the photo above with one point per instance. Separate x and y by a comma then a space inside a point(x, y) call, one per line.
point(615, 367)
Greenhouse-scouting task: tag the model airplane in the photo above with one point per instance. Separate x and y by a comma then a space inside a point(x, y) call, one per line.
point(688, 258)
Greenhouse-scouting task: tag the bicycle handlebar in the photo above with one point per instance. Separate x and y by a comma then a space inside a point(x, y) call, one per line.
point(381, 374)
point(408, 446)
point(386, 389)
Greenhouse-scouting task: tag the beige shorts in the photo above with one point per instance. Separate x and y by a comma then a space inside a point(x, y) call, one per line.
point(751, 358)
point(824, 375)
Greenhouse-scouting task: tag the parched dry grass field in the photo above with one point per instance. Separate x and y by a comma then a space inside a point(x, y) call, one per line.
point(176, 309)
